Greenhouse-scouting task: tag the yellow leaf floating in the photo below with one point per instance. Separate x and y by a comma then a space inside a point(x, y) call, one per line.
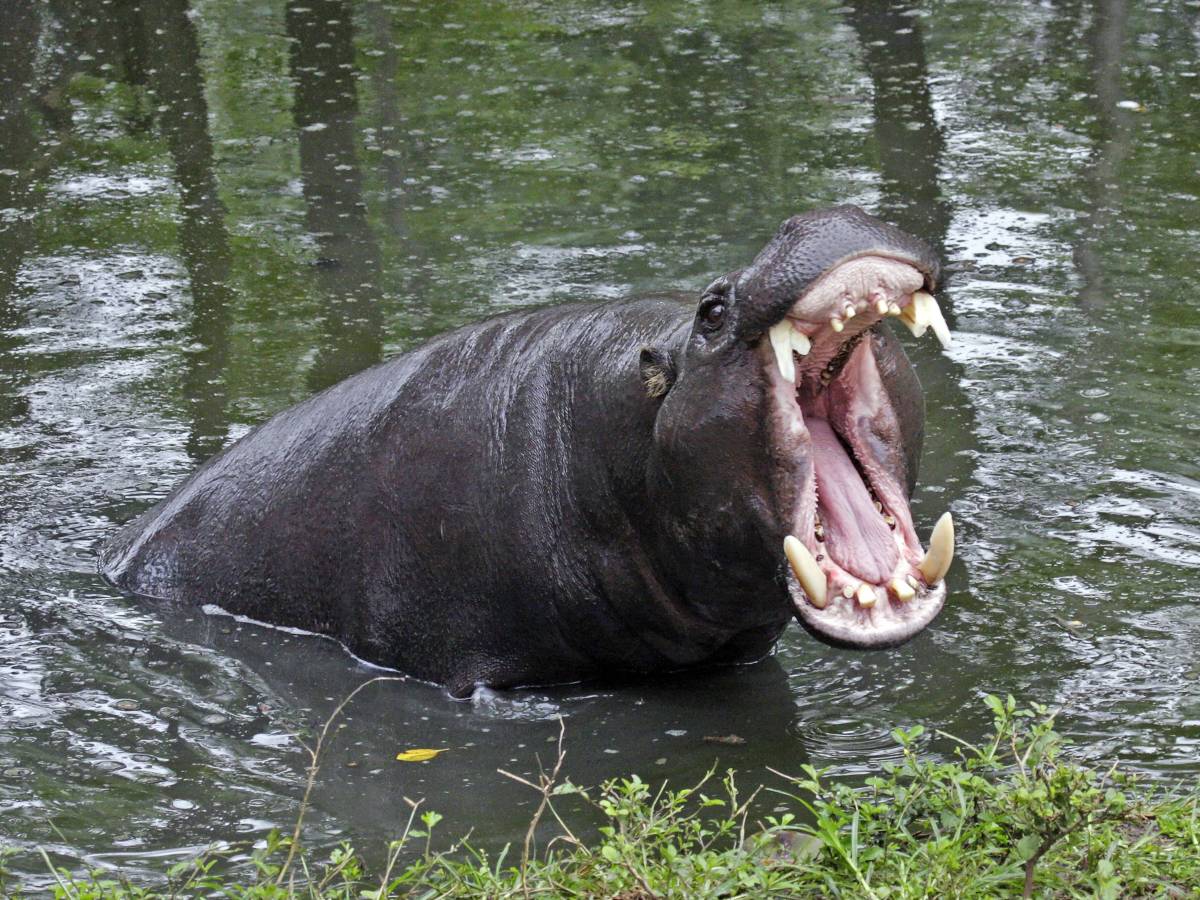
point(419, 754)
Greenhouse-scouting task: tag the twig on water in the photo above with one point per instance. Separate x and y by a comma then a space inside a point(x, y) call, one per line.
point(545, 787)
point(314, 754)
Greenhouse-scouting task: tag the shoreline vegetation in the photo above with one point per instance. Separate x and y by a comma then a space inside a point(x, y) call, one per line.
point(1013, 816)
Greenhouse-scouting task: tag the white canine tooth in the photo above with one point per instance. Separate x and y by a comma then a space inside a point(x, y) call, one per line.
point(800, 342)
point(911, 317)
point(781, 343)
point(806, 570)
point(866, 596)
point(933, 316)
point(937, 559)
point(924, 313)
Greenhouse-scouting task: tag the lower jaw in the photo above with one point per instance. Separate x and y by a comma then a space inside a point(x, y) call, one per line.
point(865, 583)
point(843, 609)
point(845, 624)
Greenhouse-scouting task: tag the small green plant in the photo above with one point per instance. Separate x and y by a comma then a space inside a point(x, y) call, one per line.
point(1002, 814)
point(5, 875)
point(1013, 816)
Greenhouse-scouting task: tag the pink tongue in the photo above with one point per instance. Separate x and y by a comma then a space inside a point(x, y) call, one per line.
point(856, 536)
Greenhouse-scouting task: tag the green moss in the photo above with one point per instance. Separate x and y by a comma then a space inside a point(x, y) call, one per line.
point(1013, 816)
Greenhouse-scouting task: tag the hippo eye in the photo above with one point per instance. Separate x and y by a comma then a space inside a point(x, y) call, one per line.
point(712, 314)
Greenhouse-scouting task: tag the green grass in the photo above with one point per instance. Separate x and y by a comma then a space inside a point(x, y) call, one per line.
point(1013, 816)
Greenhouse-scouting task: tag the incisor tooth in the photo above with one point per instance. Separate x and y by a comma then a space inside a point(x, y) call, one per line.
point(800, 342)
point(866, 596)
point(836, 324)
point(806, 570)
point(929, 313)
point(781, 343)
point(881, 305)
point(849, 312)
point(901, 589)
point(937, 559)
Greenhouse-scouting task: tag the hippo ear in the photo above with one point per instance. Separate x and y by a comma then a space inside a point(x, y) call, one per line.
point(658, 371)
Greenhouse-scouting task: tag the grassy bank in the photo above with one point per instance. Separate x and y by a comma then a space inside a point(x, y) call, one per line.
point(1010, 817)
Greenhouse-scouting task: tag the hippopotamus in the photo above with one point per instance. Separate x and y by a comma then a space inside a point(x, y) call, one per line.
point(593, 490)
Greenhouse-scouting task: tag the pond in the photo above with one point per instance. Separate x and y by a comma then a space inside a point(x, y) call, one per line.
point(212, 209)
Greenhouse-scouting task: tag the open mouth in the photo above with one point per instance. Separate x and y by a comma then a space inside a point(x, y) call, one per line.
point(858, 574)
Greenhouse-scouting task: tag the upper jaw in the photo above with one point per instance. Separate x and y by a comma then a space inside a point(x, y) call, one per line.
point(807, 248)
point(819, 364)
point(850, 298)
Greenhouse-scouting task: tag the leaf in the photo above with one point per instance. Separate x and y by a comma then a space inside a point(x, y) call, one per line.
point(419, 754)
point(807, 847)
point(1027, 847)
point(732, 740)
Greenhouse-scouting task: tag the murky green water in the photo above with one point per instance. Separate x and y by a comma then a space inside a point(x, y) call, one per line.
point(211, 209)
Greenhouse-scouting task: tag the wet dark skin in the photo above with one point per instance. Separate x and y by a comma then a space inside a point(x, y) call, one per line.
point(575, 492)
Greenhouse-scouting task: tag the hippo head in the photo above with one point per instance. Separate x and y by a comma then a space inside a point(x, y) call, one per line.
point(787, 440)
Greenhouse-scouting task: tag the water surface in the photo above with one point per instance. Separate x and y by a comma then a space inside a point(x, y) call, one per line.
point(211, 209)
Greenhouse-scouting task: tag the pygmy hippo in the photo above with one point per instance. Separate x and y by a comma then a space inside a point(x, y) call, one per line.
point(594, 489)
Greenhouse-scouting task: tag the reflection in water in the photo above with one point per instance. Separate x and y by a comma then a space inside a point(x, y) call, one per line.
point(19, 29)
point(116, 46)
point(326, 111)
point(1113, 139)
point(176, 85)
point(907, 136)
point(395, 146)
point(399, 155)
